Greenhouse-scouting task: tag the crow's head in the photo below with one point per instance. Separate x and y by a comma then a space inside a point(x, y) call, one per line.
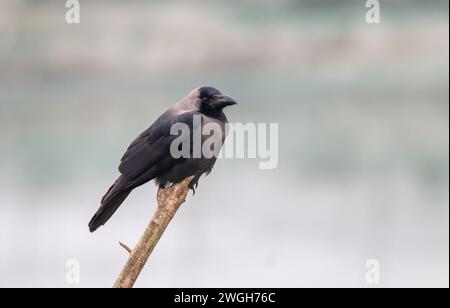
point(207, 100)
point(212, 100)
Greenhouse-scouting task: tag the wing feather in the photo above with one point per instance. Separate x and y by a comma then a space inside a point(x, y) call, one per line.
point(152, 147)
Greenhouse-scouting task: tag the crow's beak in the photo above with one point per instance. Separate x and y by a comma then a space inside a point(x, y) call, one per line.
point(225, 101)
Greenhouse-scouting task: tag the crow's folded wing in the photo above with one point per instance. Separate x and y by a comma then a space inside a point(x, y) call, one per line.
point(153, 146)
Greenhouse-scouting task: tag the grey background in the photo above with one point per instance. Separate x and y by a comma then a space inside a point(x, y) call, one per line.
point(364, 160)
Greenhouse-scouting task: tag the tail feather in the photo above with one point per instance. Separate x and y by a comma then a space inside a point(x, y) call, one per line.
point(115, 196)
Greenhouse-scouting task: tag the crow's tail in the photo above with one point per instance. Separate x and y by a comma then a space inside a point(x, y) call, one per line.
point(115, 196)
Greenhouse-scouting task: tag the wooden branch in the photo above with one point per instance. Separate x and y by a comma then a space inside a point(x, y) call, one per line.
point(125, 246)
point(169, 200)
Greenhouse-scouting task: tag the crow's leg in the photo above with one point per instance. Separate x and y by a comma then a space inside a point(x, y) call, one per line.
point(194, 184)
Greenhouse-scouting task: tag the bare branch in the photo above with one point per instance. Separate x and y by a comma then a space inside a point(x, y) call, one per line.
point(125, 247)
point(169, 200)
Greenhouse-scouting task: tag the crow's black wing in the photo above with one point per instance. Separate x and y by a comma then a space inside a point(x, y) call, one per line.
point(153, 146)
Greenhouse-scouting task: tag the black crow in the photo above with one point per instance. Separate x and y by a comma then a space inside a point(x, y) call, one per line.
point(150, 155)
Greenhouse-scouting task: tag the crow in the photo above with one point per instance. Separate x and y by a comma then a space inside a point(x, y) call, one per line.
point(150, 155)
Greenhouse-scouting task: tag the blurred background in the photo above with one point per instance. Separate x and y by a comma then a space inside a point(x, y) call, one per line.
point(363, 111)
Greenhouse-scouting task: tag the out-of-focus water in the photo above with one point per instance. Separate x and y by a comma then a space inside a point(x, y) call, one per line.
point(364, 139)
